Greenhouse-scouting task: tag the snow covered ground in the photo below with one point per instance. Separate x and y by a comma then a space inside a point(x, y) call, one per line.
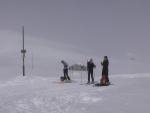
point(35, 94)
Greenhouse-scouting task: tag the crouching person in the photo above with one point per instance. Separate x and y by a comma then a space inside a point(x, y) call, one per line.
point(103, 81)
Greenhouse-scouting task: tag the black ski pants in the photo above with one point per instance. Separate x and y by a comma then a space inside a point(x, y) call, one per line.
point(107, 79)
point(105, 73)
point(66, 74)
point(90, 73)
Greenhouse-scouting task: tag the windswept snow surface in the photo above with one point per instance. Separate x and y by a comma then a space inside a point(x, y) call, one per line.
point(36, 94)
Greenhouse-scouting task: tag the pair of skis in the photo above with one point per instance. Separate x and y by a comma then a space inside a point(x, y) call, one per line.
point(100, 85)
point(65, 81)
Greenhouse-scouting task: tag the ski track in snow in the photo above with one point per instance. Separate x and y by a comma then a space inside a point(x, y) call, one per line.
point(34, 94)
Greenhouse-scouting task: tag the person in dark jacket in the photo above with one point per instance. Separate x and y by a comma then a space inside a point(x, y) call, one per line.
point(105, 65)
point(90, 66)
point(65, 70)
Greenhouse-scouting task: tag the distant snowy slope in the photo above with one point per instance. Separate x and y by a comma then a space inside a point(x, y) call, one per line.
point(44, 55)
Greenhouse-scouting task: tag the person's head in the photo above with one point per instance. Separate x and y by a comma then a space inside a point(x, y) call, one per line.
point(91, 60)
point(105, 57)
point(62, 61)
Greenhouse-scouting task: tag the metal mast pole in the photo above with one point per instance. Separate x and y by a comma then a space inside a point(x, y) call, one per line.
point(32, 61)
point(23, 52)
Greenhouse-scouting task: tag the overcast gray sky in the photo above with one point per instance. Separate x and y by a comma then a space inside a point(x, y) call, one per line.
point(117, 28)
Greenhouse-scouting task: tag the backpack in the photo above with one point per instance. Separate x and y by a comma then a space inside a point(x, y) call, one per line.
point(62, 79)
point(103, 80)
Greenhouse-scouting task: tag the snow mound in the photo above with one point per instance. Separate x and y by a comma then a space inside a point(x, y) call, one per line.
point(24, 80)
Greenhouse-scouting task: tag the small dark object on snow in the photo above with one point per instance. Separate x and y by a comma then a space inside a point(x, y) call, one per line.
point(62, 79)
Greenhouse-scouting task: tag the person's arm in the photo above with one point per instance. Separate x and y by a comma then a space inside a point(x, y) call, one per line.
point(87, 65)
point(94, 65)
point(102, 63)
